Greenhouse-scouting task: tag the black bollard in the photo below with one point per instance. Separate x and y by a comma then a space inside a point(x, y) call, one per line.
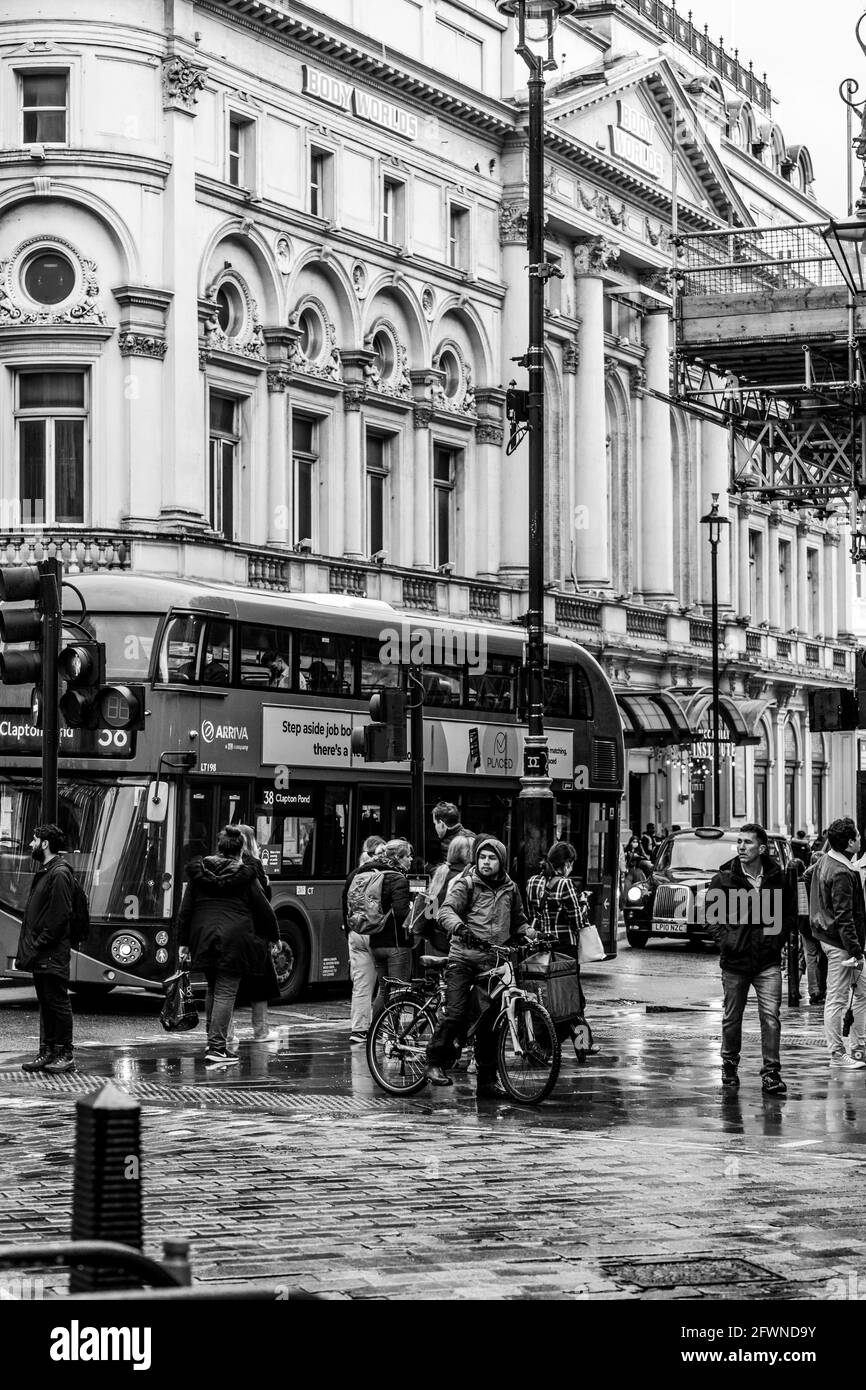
point(106, 1201)
point(793, 967)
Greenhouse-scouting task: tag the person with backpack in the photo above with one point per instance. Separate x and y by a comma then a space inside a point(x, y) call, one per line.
point(428, 937)
point(376, 905)
point(225, 923)
point(482, 908)
point(45, 947)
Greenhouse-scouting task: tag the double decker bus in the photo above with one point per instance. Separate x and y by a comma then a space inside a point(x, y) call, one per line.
point(251, 699)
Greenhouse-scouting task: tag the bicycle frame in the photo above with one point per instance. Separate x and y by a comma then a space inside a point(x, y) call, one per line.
point(508, 993)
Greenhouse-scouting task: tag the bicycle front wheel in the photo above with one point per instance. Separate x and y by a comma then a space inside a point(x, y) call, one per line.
point(528, 1070)
point(397, 1048)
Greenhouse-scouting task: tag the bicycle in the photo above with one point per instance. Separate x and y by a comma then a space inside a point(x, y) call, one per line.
point(526, 1046)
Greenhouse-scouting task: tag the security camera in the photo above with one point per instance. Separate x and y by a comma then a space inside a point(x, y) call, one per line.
point(447, 568)
point(37, 151)
point(305, 546)
point(380, 557)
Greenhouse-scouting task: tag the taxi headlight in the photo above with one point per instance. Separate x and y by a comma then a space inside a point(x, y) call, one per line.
point(636, 894)
point(126, 949)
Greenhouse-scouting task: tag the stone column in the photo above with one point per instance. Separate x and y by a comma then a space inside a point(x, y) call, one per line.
point(774, 614)
point(591, 489)
point(512, 484)
point(844, 591)
point(142, 343)
point(184, 423)
point(776, 794)
point(802, 586)
point(745, 605)
point(487, 502)
point(831, 611)
point(657, 474)
point(354, 363)
point(427, 382)
point(281, 347)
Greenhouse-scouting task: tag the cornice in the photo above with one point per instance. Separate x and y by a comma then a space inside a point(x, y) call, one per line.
point(339, 48)
point(94, 163)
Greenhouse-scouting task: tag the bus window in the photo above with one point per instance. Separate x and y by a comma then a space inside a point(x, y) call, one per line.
point(374, 672)
point(557, 689)
point(494, 689)
point(326, 664)
point(581, 695)
point(180, 645)
point(128, 639)
point(443, 685)
point(265, 657)
point(217, 661)
point(309, 839)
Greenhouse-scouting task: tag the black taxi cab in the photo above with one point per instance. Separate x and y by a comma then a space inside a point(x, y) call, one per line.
point(670, 903)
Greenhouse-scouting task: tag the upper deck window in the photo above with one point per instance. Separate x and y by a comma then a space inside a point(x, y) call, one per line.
point(196, 649)
point(326, 664)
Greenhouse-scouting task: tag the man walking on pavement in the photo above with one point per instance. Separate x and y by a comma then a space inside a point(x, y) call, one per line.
point(44, 949)
point(838, 917)
point(751, 904)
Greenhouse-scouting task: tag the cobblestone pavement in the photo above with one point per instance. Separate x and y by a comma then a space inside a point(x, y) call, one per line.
point(637, 1180)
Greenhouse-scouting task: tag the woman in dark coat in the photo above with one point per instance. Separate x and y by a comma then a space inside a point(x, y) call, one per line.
point(256, 990)
point(224, 926)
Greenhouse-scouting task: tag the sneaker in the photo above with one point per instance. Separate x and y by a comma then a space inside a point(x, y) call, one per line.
point(437, 1077)
point(233, 1047)
point(39, 1063)
point(355, 1038)
point(773, 1085)
point(62, 1060)
point(730, 1076)
point(817, 998)
point(273, 1035)
point(848, 1063)
point(490, 1090)
point(216, 1054)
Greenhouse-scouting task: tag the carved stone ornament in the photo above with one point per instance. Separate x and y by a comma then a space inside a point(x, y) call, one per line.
point(181, 82)
point(141, 345)
point(284, 254)
point(571, 358)
point(354, 398)
point(489, 434)
point(595, 255)
point(662, 281)
point(463, 400)
point(611, 368)
point(279, 379)
point(326, 364)
point(249, 341)
point(608, 213)
point(397, 382)
point(637, 380)
point(428, 302)
point(17, 308)
point(513, 223)
point(360, 278)
point(422, 416)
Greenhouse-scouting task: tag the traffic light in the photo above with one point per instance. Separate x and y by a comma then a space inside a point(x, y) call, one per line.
point(832, 711)
point(121, 707)
point(21, 584)
point(82, 666)
point(384, 740)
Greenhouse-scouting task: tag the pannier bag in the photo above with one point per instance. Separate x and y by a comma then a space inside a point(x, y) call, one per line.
point(179, 1012)
point(553, 980)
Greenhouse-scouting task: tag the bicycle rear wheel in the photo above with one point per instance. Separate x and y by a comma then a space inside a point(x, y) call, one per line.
point(397, 1048)
point(528, 1074)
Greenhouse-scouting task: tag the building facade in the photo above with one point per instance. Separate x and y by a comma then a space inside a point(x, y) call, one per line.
point(262, 285)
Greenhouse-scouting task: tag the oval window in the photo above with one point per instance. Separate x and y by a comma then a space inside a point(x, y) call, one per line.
point(451, 367)
point(385, 355)
point(312, 335)
point(230, 311)
point(49, 277)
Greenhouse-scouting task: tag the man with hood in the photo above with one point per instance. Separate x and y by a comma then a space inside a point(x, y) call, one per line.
point(750, 908)
point(224, 926)
point(482, 908)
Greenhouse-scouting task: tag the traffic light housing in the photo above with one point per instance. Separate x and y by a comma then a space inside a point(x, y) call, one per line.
point(384, 740)
point(121, 707)
point(834, 711)
point(21, 584)
point(82, 666)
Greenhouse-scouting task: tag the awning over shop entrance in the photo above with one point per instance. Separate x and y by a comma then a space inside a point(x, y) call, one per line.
point(738, 717)
point(652, 719)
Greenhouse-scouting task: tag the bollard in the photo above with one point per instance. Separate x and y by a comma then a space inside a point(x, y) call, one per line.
point(106, 1200)
point(794, 967)
point(175, 1259)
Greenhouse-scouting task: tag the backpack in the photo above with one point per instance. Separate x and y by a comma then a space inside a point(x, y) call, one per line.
point(364, 911)
point(79, 917)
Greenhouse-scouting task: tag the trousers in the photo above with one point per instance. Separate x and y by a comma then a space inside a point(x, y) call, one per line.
point(55, 1011)
point(460, 978)
point(768, 992)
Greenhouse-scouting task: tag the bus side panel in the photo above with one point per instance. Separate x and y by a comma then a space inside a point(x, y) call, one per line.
point(318, 907)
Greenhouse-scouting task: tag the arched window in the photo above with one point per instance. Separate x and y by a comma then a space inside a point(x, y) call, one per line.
point(762, 778)
point(819, 773)
point(792, 764)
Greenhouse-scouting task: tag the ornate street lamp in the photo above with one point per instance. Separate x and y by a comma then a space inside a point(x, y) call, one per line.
point(714, 522)
point(846, 242)
point(536, 22)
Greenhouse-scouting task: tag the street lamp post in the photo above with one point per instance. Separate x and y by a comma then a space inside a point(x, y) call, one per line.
point(714, 521)
point(536, 23)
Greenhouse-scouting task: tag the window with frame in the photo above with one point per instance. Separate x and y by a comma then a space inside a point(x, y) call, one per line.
point(321, 181)
point(393, 211)
point(376, 673)
point(265, 657)
point(458, 237)
point(445, 464)
point(51, 420)
point(45, 107)
point(813, 592)
point(305, 462)
point(786, 605)
point(216, 665)
point(756, 577)
point(224, 449)
point(241, 151)
point(311, 839)
point(326, 663)
point(178, 656)
point(378, 468)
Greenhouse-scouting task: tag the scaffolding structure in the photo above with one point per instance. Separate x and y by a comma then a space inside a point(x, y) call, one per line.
point(769, 343)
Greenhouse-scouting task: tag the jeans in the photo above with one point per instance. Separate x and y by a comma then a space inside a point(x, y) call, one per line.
point(362, 968)
point(840, 978)
point(460, 977)
point(768, 992)
point(395, 962)
point(55, 1011)
point(220, 1008)
point(816, 965)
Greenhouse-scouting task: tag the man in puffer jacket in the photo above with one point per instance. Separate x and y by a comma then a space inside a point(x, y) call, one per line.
point(482, 908)
point(225, 926)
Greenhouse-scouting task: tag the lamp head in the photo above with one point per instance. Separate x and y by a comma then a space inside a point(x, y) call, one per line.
point(536, 23)
point(846, 242)
point(715, 521)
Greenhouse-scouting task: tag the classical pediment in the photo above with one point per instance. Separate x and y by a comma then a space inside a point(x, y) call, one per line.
point(621, 126)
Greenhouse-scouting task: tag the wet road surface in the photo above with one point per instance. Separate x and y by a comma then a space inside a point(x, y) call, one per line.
point(638, 1178)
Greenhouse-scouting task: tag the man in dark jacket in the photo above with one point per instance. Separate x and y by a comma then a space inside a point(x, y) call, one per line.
point(446, 823)
point(224, 926)
point(44, 949)
point(384, 950)
point(482, 908)
point(751, 905)
point(838, 919)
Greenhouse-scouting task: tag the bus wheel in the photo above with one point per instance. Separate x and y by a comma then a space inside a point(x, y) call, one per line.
point(637, 939)
point(297, 949)
point(89, 995)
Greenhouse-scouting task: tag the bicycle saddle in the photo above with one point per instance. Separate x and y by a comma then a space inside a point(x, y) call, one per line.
point(434, 960)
